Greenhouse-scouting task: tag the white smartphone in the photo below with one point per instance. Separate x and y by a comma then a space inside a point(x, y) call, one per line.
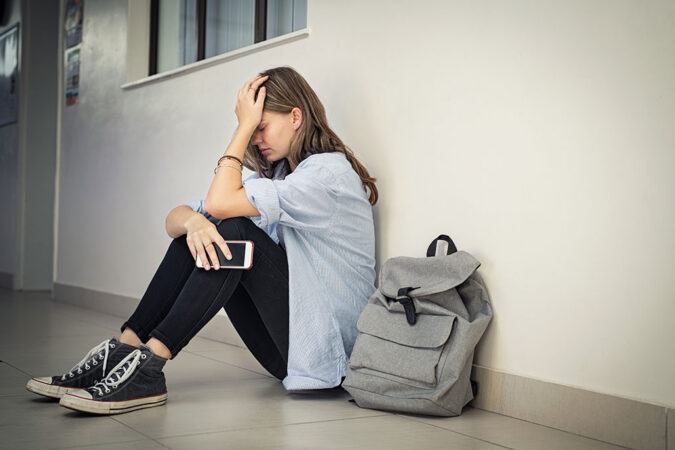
point(242, 256)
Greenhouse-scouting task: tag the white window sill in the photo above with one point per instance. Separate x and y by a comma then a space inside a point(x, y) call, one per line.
point(218, 59)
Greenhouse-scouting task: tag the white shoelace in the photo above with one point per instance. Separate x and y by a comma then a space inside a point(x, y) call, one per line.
point(119, 373)
point(99, 352)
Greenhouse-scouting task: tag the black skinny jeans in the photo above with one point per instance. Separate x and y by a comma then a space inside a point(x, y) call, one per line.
point(182, 298)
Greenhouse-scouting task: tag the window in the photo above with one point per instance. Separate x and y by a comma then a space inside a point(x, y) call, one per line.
point(186, 31)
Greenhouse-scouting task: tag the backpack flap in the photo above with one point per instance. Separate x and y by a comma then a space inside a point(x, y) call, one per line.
point(428, 275)
point(432, 332)
point(388, 345)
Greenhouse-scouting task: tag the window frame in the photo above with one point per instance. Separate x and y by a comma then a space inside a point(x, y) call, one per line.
point(260, 30)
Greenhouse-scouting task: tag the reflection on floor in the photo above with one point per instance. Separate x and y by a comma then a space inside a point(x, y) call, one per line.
point(219, 397)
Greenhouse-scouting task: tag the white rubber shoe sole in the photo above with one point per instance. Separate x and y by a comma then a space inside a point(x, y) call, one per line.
point(81, 400)
point(44, 386)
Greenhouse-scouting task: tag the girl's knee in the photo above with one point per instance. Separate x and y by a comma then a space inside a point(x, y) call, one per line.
point(234, 227)
point(179, 246)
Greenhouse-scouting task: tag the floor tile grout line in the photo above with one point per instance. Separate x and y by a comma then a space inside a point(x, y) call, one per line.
point(220, 343)
point(453, 431)
point(227, 344)
point(105, 327)
point(273, 426)
point(233, 365)
point(87, 310)
point(14, 395)
point(101, 444)
point(230, 364)
point(139, 432)
point(14, 367)
point(557, 429)
point(161, 444)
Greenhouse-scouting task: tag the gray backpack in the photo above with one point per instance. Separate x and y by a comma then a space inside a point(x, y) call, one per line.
point(417, 335)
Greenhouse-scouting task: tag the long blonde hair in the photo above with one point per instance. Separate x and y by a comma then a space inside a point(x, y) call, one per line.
point(286, 89)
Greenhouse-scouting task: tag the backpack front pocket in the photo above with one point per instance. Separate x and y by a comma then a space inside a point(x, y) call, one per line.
point(388, 344)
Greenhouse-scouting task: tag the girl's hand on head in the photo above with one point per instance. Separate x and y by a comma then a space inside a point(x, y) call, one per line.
point(248, 109)
point(201, 237)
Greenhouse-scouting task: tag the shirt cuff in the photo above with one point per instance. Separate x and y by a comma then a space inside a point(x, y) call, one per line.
point(198, 206)
point(300, 383)
point(262, 194)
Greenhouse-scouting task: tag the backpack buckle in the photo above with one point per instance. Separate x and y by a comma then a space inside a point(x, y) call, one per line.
point(408, 305)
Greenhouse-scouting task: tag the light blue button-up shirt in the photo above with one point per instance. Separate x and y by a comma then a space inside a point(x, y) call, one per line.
point(321, 215)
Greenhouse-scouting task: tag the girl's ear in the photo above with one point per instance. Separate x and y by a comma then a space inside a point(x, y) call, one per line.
point(296, 116)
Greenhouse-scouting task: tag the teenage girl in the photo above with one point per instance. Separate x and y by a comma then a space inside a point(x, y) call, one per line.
point(308, 210)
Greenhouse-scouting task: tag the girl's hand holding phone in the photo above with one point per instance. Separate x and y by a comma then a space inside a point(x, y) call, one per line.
point(201, 238)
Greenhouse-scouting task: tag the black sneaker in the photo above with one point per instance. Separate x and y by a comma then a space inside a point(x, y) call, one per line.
point(136, 382)
point(93, 367)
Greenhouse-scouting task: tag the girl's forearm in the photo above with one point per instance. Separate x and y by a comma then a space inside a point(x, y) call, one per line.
point(227, 180)
point(176, 219)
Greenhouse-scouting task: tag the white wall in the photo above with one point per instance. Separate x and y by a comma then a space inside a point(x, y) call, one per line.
point(537, 134)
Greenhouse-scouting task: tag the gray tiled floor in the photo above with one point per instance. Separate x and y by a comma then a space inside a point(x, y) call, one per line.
point(219, 397)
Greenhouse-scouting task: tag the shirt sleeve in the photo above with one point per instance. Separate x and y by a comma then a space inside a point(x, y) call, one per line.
point(306, 199)
point(198, 206)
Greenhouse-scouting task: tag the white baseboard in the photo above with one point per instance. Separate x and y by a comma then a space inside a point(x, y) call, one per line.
point(608, 418)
